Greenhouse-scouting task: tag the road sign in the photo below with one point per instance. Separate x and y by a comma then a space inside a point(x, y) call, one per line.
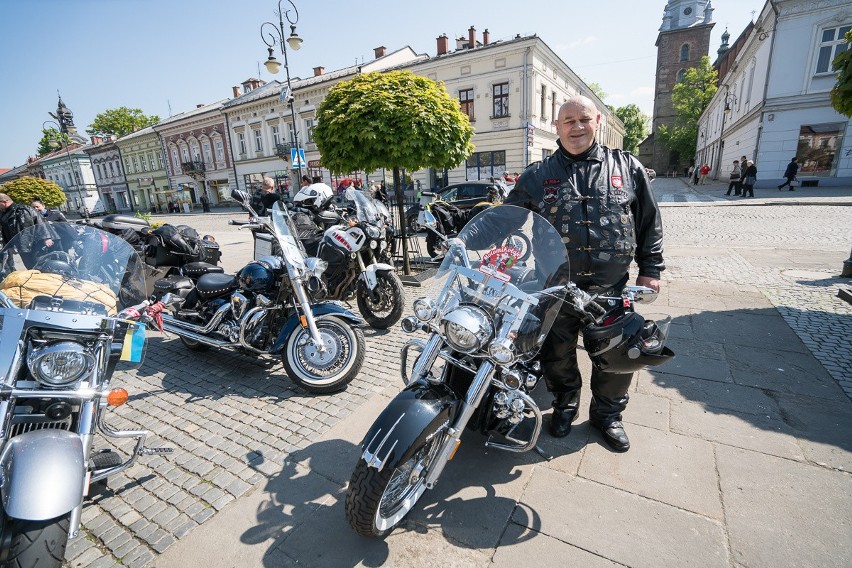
point(297, 159)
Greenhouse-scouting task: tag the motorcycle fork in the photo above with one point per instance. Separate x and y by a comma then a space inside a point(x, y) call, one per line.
point(308, 315)
point(476, 392)
point(85, 429)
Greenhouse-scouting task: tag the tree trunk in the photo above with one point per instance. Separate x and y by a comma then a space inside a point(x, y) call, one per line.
point(397, 189)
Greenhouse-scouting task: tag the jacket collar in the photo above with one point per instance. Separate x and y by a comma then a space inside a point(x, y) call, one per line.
point(595, 153)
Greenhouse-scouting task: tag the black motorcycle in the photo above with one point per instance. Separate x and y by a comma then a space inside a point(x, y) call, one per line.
point(268, 309)
point(478, 367)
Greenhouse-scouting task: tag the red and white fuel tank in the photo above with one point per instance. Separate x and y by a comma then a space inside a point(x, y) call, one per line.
point(349, 239)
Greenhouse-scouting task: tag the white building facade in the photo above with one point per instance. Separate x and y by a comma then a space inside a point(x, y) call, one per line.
point(777, 91)
point(109, 177)
point(72, 170)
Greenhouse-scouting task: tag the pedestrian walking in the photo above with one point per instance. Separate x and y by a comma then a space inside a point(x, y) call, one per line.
point(749, 179)
point(598, 263)
point(704, 171)
point(735, 184)
point(205, 203)
point(790, 174)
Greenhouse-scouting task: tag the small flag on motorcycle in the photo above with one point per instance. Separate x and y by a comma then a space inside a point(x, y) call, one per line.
point(134, 343)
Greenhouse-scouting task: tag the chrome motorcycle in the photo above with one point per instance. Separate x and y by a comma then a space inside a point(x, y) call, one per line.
point(69, 318)
point(478, 367)
point(268, 309)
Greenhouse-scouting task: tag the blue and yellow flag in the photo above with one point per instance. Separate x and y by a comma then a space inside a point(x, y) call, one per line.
point(134, 343)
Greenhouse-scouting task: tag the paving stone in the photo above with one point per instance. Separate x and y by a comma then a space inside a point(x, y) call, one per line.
point(519, 545)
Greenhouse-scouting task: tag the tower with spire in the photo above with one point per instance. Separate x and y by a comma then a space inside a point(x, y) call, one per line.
point(65, 118)
point(683, 40)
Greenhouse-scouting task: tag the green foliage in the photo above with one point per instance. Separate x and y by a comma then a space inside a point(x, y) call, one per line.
point(145, 216)
point(24, 190)
point(597, 90)
point(841, 93)
point(121, 121)
point(387, 120)
point(689, 98)
point(52, 139)
point(636, 126)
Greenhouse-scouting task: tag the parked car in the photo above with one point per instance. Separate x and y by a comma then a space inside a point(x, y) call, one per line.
point(463, 195)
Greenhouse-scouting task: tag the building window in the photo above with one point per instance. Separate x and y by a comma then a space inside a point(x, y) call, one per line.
point(258, 141)
point(127, 165)
point(159, 160)
point(466, 102)
point(111, 170)
point(220, 150)
point(554, 110)
point(241, 137)
point(142, 162)
point(485, 165)
point(684, 52)
point(208, 155)
point(680, 75)
point(500, 94)
point(546, 153)
point(309, 127)
point(831, 45)
point(185, 152)
point(276, 136)
point(135, 164)
point(818, 149)
point(543, 105)
point(175, 159)
point(151, 161)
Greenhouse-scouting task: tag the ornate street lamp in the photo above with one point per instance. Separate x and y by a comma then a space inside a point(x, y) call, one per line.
point(54, 143)
point(730, 99)
point(276, 34)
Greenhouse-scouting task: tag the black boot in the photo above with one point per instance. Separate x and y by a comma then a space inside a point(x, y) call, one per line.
point(565, 407)
point(605, 415)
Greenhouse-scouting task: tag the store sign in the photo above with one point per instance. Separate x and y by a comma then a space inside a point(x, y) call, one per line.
point(313, 164)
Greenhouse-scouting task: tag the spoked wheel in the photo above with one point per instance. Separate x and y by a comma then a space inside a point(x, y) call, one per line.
point(329, 369)
point(389, 302)
point(35, 543)
point(377, 501)
point(432, 244)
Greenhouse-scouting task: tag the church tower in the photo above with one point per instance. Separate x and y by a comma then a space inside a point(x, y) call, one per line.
point(683, 40)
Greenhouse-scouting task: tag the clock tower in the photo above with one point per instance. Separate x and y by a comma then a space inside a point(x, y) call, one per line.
point(683, 40)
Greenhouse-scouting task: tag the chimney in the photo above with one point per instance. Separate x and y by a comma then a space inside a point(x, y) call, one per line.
point(379, 51)
point(443, 44)
point(486, 37)
point(471, 37)
point(199, 106)
point(97, 140)
point(236, 91)
point(461, 43)
point(318, 71)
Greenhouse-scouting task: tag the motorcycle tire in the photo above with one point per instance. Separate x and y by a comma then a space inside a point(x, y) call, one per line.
point(377, 501)
point(391, 300)
point(432, 245)
point(324, 373)
point(36, 543)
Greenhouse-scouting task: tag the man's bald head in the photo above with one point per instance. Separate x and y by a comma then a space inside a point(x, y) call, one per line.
point(577, 124)
point(268, 184)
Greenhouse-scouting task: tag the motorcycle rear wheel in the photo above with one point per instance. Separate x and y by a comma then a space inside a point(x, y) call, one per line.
point(377, 501)
point(330, 372)
point(391, 300)
point(36, 543)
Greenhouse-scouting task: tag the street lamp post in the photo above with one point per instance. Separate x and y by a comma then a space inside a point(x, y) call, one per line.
point(730, 99)
point(56, 143)
point(276, 34)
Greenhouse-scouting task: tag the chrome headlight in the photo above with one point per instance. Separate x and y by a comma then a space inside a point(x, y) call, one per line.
point(502, 351)
point(60, 363)
point(372, 231)
point(466, 328)
point(424, 309)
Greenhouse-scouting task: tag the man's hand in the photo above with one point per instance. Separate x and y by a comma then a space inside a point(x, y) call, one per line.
point(649, 282)
point(48, 242)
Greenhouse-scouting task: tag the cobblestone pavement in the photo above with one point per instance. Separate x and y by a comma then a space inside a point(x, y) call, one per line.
point(232, 419)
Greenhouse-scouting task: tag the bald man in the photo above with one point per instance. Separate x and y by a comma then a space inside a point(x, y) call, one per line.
point(600, 201)
point(265, 199)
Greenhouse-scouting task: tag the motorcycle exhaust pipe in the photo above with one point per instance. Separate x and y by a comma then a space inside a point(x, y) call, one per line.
point(196, 336)
point(211, 325)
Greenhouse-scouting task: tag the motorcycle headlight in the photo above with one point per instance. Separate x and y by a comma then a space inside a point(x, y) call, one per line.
point(59, 364)
point(372, 231)
point(502, 352)
point(467, 328)
point(424, 309)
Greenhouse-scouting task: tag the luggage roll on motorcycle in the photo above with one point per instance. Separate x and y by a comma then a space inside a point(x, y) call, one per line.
point(268, 309)
point(478, 367)
point(67, 322)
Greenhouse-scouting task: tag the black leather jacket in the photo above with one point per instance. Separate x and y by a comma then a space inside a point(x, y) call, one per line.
point(602, 204)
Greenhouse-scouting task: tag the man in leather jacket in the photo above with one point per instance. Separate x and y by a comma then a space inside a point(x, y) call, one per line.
point(14, 218)
point(600, 200)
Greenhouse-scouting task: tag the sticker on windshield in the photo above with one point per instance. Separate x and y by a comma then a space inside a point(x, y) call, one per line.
point(497, 262)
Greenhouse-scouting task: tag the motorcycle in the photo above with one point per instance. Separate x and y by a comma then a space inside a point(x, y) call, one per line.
point(359, 262)
point(69, 318)
point(268, 309)
point(478, 367)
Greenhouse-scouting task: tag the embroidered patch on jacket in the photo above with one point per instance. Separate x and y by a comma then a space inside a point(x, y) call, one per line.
point(615, 181)
point(552, 182)
point(551, 194)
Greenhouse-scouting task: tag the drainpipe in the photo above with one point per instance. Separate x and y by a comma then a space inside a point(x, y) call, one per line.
point(768, 72)
point(524, 113)
point(231, 151)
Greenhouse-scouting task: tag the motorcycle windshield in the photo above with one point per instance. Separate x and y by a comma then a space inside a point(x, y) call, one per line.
point(508, 259)
point(285, 232)
point(71, 278)
point(365, 206)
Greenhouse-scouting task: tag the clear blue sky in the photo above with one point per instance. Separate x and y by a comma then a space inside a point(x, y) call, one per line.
point(150, 54)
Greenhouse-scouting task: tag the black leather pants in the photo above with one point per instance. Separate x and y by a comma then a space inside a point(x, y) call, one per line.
point(562, 375)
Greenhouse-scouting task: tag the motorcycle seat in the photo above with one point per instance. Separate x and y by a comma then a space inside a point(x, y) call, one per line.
point(211, 285)
point(194, 269)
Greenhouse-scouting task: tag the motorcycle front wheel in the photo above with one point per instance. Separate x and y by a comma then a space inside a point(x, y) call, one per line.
point(36, 543)
point(377, 501)
point(329, 370)
point(390, 301)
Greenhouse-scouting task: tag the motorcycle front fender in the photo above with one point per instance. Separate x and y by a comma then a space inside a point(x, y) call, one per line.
point(403, 426)
point(370, 275)
point(319, 311)
point(42, 474)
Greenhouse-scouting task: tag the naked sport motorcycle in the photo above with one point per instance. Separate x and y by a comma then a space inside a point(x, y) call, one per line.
point(478, 366)
point(68, 321)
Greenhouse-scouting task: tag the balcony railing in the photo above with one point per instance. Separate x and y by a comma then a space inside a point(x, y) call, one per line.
point(194, 167)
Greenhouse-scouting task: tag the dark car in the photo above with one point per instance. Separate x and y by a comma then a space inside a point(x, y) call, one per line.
point(463, 195)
